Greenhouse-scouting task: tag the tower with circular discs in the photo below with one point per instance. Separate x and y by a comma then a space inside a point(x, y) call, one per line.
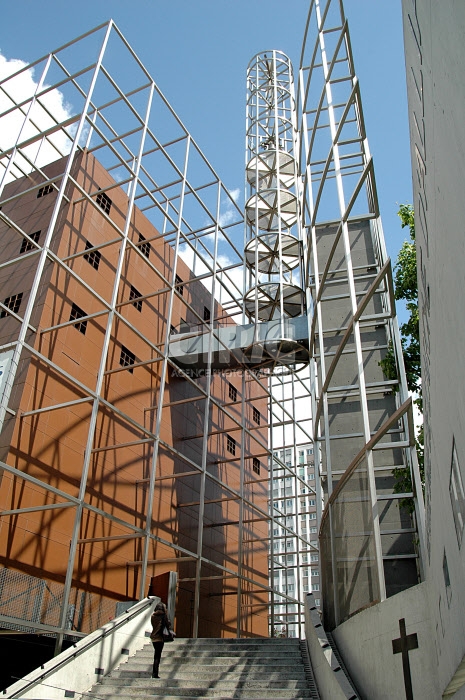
point(273, 253)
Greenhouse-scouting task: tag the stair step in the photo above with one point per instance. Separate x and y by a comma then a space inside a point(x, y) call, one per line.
point(110, 693)
point(163, 696)
point(294, 673)
point(274, 641)
point(222, 665)
point(214, 684)
point(237, 653)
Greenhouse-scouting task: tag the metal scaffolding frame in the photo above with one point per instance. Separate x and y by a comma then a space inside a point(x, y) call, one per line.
point(129, 126)
point(354, 321)
point(316, 155)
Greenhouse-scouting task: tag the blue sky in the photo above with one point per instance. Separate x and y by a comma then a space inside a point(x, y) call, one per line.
point(198, 50)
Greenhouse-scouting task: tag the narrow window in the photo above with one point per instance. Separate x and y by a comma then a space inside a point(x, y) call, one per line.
point(206, 313)
point(27, 245)
point(46, 189)
point(76, 313)
point(13, 303)
point(256, 415)
point(94, 257)
point(134, 297)
point(457, 495)
point(127, 358)
point(144, 246)
point(230, 444)
point(256, 465)
point(232, 392)
point(179, 284)
point(445, 571)
point(104, 202)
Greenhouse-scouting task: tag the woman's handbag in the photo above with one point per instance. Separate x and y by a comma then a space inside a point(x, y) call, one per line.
point(168, 635)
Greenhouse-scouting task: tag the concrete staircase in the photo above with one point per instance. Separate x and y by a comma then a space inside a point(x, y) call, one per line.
point(269, 669)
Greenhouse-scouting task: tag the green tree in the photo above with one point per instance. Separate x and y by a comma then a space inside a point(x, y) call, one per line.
point(406, 289)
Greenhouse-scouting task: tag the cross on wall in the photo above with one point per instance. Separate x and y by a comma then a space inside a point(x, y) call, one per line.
point(402, 645)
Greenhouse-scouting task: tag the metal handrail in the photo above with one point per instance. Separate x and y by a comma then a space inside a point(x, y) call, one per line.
point(82, 646)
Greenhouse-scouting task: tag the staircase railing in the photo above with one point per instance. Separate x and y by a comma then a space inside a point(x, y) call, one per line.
point(329, 675)
point(76, 670)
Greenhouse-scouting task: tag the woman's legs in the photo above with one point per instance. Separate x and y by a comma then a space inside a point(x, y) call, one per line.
point(157, 648)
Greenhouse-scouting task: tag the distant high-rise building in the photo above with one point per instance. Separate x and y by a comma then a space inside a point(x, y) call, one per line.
point(296, 566)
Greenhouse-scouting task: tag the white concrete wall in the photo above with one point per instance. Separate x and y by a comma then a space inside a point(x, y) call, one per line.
point(74, 669)
point(365, 644)
point(435, 62)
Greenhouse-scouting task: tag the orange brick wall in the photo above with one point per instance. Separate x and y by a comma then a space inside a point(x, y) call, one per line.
point(51, 445)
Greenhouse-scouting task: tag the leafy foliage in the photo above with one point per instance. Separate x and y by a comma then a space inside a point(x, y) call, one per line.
point(406, 288)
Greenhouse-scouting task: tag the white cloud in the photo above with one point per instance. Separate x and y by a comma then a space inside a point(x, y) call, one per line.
point(235, 194)
point(230, 213)
point(224, 293)
point(51, 109)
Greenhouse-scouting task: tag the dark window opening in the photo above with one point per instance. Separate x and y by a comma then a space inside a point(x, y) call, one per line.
point(94, 257)
point(256, 465)
point(13, 303)
point(256, 415)
point(206, 313)
point(27, 245)
point(134, 297)
point(179, 284)
point(232, 392)
point(127, 358)
point(173, 330)
point(104, 202)
point(76, 313)
point(144, 246)
point(230, 444)
point(445, 571)
point(46, 189)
